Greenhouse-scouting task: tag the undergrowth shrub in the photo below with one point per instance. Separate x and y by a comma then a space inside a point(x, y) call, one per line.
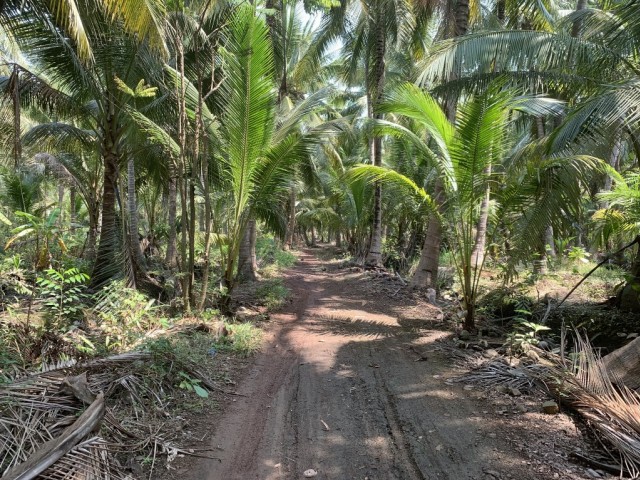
point(505, 302)
point(123, 315)
point(271, 257)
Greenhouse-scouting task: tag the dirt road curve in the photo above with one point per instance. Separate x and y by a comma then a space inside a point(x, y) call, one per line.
point(338, 390)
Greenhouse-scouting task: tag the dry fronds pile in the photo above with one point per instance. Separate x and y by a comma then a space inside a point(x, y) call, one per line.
point(611, 409)
point(61, 423)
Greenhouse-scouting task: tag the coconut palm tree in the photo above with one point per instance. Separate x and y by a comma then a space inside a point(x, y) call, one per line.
point(94, 89)
point(461, 152)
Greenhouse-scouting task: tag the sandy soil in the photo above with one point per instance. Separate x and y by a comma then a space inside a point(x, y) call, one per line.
point(338, 389)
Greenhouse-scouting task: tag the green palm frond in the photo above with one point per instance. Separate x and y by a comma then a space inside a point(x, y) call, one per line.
point(615, 104)
point(58, 136)
point(410, 101)
point(143, 18)
point(249, 90)
point(520, 51)
point(390, 177)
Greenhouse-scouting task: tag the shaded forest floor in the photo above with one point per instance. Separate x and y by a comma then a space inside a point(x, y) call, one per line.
point(355, 382)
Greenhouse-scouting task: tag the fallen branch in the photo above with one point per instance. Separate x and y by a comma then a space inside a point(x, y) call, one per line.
point(635, 241)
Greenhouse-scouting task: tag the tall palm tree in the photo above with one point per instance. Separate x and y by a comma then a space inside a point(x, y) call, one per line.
point(94, 89)
point(369, 30)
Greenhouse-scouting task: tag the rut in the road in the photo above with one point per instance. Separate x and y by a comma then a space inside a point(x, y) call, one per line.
point(337, 390)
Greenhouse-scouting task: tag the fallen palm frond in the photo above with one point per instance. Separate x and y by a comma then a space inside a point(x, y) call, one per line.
point(496, 373)
point(611, 409)
point(48, 419)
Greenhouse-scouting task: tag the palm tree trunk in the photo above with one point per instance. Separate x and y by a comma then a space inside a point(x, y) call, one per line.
point(426, 275)
point(374, 255)
point(132, 207)
point(291, 225)
point(461, 17)
point(247, 263)
point(549, 242)
point(577, 24)
point(480, 245)
point(171, 255)
point(105, 257)
point(500, 10)
point(184, 184)
point(15, 95)
point(72, 206)
point(60, 202)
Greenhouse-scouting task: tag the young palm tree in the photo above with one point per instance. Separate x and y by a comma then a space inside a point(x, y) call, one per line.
point(461, 153)
point(257, 154)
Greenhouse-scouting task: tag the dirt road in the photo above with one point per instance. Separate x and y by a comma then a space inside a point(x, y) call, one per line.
point(338, 390)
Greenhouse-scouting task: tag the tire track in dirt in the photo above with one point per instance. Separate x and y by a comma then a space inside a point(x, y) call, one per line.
point(337, 389)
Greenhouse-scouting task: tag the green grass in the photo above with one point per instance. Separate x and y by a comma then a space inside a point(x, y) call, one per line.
point(271, 257)
point(245, 339)
point(272, 293)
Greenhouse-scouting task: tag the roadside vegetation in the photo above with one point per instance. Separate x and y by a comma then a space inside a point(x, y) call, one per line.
point(161, 161)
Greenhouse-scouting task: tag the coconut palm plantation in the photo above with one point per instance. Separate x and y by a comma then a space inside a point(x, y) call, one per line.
point(380, 239)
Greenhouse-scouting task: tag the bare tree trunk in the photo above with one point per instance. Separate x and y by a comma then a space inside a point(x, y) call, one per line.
point(338, 239)
point(247, 263)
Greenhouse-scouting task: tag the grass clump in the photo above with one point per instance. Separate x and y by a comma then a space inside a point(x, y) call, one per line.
point(272, 293)
point(244, 339)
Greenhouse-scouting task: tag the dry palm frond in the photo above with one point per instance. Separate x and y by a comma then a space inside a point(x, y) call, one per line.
point(37, 411)
point(496, 373)
point(89, 460)
point(611, 409)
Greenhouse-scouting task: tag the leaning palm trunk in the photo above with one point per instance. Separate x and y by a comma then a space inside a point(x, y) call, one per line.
point(426, 275)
